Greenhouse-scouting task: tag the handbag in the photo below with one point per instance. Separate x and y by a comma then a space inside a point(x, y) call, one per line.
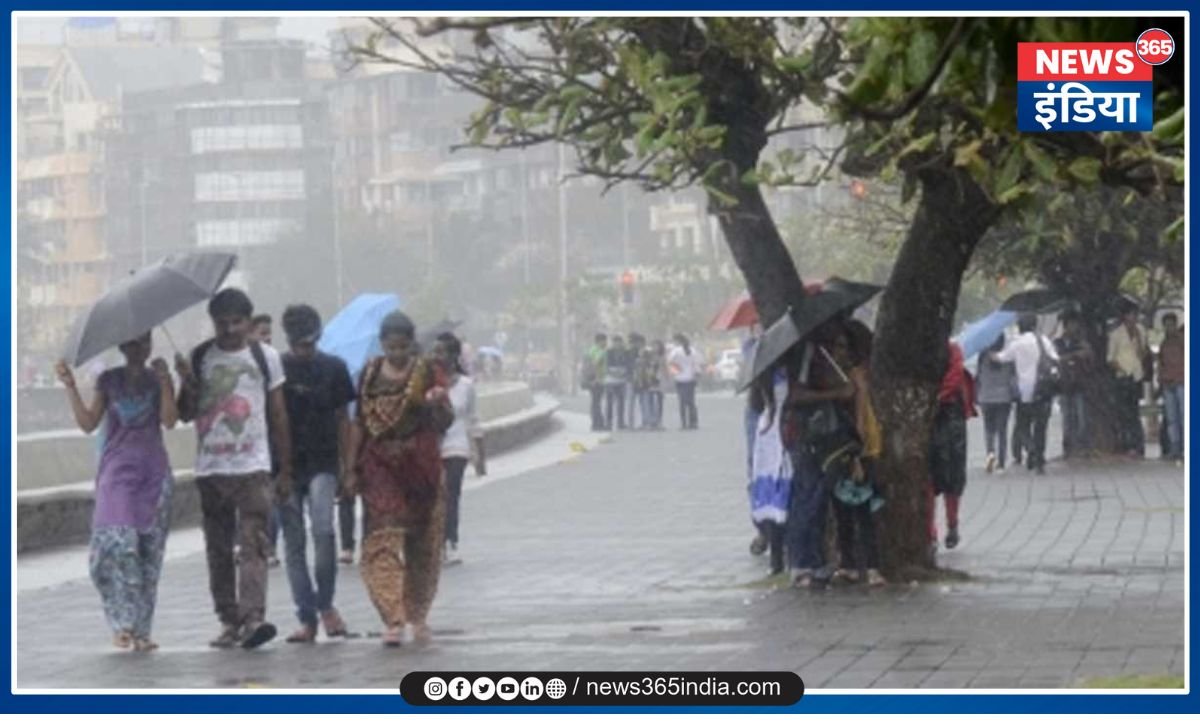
point(828, 433)
point(1049, 373)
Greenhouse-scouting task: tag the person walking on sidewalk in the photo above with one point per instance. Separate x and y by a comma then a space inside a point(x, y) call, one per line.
point(456, 444)
point(685, 367)
point(395, 458)
point(133, 487)
point(230, 388)
point(1025, 351)
point(1171, 369)
point(318, 391)
point(997, 387)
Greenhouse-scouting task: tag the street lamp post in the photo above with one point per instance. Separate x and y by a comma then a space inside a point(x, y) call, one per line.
point(564, 361)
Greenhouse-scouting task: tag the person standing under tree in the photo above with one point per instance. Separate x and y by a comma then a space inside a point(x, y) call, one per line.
point(948, 444)
point(1075, 363)
point(592, 377)
point(617, 372)
point(133, 487)
point(1127, 357)
point(1171, 372)
point(230, 387)
point(318, 391)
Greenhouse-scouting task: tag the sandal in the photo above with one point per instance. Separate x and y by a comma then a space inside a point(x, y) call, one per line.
point(334, 626)
point(347, 557)
point(394, 637)
point(144, 644)
point(422, 634)
point(305, 635)
point(123, 640)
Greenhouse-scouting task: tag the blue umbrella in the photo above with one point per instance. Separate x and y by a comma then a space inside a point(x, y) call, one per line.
point(980, 334)
point(353, 333)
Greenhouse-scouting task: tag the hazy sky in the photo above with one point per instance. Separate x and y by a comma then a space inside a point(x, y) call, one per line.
point(49, 30)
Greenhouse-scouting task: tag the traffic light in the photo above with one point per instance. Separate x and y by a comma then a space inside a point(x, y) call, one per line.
point(627, 280)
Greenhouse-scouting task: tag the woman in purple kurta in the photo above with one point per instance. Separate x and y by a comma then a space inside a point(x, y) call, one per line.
point(133, 487)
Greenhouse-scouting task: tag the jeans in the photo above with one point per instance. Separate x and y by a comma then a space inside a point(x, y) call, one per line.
point(236, 506)
point(655, 405)
point(1132, 437)
point(596, 390)
point(455, 467)
point(346, 522)
point(1075, 432)
point(689, 417)
point(1173, 399)
point(807, 514)
point(995, 427)
point(634, 396)
point(614, 405)
point(1031, 429)
point(320, 491)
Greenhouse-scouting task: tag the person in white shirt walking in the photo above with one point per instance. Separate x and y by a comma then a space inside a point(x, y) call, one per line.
point(685, 366)
point(456, 443)
point(1025, 351)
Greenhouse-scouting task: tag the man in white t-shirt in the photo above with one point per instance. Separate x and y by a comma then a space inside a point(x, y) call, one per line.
point(1033, 411)
point(686, 365)
point(233, 390)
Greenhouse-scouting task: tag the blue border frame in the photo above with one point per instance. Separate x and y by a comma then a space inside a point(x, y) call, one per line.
point(290, 703)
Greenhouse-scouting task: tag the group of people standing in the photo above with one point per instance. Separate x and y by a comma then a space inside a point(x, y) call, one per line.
point(276, 432)
point(813, 441)
point(629, 380)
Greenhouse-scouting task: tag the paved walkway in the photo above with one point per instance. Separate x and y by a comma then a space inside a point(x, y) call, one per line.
point(633, 556)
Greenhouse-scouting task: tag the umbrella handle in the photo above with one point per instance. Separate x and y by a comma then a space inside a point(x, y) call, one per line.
point(170, 339)
point(837, 368)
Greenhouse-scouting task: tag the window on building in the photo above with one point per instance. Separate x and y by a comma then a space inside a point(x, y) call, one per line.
point(243, 232)
point(282, 184)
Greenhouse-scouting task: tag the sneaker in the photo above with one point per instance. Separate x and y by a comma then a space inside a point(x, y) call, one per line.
point(227, 639)
point(333, 623)
point(875, 579)
point(256, 634)
point(991, 462)
point(952, 538)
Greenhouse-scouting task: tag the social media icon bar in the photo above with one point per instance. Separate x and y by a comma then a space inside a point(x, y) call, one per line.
point(531, 688)
point(483, 688)
point(508, 688)
point(435, 688)
point(460, 688)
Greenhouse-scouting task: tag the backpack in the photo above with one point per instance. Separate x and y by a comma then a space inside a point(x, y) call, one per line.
point(1049, 374)
point(260, 359)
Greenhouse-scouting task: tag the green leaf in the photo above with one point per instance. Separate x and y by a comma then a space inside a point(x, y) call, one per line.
point(920, 56)
point(1013, 193)
point(1169, 128)
point(1086, 169)
point(969, 154)
point(1010, 172)
point(1043, 165)
point(918, 145)
point(794, 64)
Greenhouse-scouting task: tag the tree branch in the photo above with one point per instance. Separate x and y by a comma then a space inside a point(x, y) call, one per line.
point(917, 94)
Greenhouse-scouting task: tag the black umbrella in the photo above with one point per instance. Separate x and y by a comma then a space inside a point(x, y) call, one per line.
point(1038, 299)
point(837, 296)
point(145, 300)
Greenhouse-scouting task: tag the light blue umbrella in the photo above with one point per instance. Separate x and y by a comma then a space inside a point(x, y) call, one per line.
point(353, 333)
point(980, 334)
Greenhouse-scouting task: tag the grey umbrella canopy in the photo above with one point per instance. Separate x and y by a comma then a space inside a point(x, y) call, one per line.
point(837, 296)
point(146, 299)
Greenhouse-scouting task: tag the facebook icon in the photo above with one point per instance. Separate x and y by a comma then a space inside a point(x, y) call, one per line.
point(460, 688)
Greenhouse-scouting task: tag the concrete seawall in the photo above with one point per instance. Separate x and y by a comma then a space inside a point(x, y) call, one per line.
point(54, 470)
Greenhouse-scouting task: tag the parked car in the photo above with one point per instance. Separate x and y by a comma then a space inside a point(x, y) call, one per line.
point(729, 366)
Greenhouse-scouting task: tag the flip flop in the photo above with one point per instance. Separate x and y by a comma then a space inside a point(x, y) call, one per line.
point(262, 633)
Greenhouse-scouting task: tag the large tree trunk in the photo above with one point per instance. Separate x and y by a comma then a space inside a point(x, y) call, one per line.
point(760, 254)
point(909, 356)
